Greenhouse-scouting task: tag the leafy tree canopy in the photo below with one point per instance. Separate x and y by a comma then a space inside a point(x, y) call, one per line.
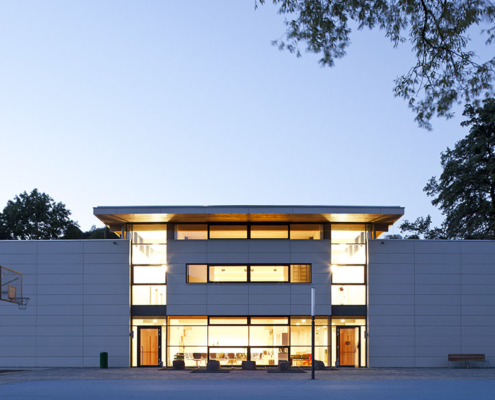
point(446, 71)
point(36, 216)
point(465, 191)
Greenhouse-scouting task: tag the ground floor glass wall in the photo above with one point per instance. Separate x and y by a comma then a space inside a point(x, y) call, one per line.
point(231, 340)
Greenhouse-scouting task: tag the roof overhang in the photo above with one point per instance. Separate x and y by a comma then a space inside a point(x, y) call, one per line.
point(201, 214)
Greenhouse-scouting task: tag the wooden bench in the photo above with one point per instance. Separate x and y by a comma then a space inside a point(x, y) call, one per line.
point(467, 358)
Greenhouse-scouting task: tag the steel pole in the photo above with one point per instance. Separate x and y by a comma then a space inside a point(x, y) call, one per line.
point(312, 333)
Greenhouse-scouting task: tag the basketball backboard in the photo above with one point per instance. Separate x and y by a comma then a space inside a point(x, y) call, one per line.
point(11, 287)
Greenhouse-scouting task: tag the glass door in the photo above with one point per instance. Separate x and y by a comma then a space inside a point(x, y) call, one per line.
point(149, 349)
point(348, 345)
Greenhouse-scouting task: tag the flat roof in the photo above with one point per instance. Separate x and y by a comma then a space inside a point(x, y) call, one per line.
point(253, 213)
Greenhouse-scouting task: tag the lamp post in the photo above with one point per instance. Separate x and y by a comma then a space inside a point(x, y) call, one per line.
point(313, 333)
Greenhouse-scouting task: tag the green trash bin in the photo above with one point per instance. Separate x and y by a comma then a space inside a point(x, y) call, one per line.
point(104, 360)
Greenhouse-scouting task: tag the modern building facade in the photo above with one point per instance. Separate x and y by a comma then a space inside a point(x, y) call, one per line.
point(233, 283)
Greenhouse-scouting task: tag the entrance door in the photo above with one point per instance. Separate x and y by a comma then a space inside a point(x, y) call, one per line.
point(348, 346)
point(149, 349)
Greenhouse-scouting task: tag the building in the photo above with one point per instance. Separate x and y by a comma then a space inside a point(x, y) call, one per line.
point(233, 283)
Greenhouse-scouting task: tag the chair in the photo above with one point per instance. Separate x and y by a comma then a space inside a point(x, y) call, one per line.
point(307, 359)
point(231, 358)
point(197, 358)
point(213, 356)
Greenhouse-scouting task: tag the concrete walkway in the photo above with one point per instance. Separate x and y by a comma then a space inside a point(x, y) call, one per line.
point(243, 390)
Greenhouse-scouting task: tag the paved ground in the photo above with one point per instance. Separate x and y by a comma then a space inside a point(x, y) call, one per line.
point(348, 384)
point(363, 374)
point(243, 390)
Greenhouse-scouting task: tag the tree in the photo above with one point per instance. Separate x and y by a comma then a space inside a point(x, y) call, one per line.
point(36, 216)
point(465, 191)
point(446, 71)
point(98, 233)
point(420, 229)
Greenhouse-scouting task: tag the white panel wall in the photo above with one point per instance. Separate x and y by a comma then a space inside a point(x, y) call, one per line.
point(79, 304)
point(428, 299)
point(249, 298)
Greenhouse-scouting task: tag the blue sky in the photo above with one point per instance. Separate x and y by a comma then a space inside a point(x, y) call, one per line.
point(174, 102)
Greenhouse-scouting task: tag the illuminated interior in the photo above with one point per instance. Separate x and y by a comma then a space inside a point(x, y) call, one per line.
point(203, 273)
point(230, 340)
point(149, 269)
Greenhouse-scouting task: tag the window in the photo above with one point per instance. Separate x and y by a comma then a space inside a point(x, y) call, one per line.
point(248, 231)
point(228, 320)
point(226, 273)
point(269, 320)
point(188, 335)
point(202, 273)
point(149, 233)
point(191, 231)
point(269, 231)
point(228, 231)
point(306, 231)
point(149, 295)
point(300, 273)
point(188, 320)
point(197, 273)
point(228, 335)
point(348, 274)
point(349, 233)
point(149, 254)
point(269, 335)
point(276, 273)
point(149, 274)
point(348, 254)
point(348, 295)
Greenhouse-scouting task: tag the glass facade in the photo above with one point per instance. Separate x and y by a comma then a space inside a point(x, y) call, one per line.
point(348, 268)
point(148, 260)
point(230, 340)
point(266, 340)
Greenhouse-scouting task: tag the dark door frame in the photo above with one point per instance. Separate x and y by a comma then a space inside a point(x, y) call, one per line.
point(159, 329)
point(337, 343)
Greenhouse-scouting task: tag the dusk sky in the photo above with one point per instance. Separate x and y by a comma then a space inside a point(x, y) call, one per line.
point(187, 103)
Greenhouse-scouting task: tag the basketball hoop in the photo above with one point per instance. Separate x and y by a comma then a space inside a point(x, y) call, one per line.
point(22, 302)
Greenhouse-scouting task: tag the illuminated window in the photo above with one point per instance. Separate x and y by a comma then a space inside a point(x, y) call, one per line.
point(188, 335)
point(149, 254)
point(269, 335)
point(348, 253)
point(349, 233)
point(149, 233)
point(307, 321)
point(197, 273)
point(269, 232)
point(227, 273)
point(149, 274)
point(187, 320)
point(300, 273)
point(269, 320)
point(228, 232)
point(270, 273)
point(347, 274)
point(228, 320)
point(191, 231)
point(306, 231)
point(228, 335)
point(348, 295)
point(149, 295)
